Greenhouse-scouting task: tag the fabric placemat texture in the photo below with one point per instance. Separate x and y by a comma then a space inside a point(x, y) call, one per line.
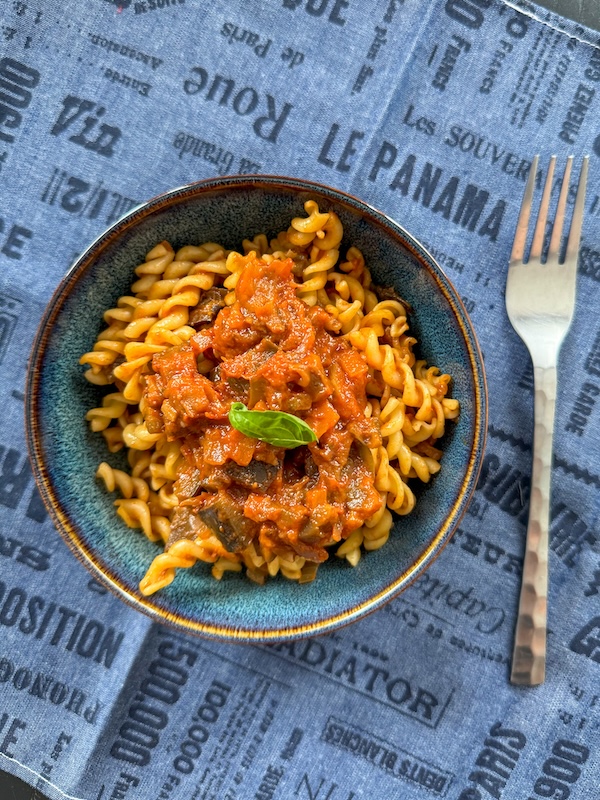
point(431, 112)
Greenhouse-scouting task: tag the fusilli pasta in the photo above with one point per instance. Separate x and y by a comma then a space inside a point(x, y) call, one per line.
point(406, 399)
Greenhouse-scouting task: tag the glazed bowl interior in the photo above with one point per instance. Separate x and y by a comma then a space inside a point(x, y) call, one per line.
point(65, 453)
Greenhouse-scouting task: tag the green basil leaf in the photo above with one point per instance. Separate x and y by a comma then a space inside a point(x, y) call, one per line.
point(275, 427)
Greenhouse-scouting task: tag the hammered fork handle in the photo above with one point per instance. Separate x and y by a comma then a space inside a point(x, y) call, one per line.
point(529, 655)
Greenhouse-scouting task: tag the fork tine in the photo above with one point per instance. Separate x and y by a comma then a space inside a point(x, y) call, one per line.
point(577, 221)
point(540, 228)
point(523, 223)
point(559, 220)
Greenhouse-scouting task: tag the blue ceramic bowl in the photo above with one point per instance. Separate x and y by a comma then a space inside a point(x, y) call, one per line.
point(65, 454)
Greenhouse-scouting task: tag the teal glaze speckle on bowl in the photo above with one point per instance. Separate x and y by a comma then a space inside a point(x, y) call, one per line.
point(65, 453)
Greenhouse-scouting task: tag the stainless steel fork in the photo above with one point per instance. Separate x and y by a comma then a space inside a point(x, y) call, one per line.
point(540, 299)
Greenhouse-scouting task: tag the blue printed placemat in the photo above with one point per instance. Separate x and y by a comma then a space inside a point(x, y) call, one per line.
point(432, 113)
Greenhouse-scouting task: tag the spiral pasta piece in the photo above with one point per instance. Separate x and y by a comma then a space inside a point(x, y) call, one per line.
point(315, 221)
point(350, 549)
point(113, 406)
point(128, 485)
point(315, 274)
point(181, 555)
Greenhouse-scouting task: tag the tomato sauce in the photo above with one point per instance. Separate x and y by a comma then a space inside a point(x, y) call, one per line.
point(271, 351)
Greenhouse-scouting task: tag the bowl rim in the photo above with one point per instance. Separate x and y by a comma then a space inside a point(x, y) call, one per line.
point(68, 529)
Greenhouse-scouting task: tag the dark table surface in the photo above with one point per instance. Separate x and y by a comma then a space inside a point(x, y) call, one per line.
point(587, 12)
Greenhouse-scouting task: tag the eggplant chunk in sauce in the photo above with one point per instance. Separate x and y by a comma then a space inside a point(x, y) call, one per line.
point(207, 309)
point(257, 476)
point(226, 520)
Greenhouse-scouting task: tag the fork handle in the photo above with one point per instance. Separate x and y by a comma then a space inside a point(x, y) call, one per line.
point(529, 654)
